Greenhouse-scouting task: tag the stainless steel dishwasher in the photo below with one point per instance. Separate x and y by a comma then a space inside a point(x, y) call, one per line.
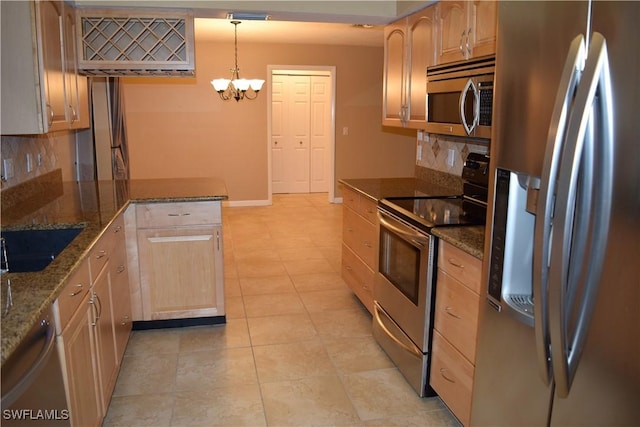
point(32, 383)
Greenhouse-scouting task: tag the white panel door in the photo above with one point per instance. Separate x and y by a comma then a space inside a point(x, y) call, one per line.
point(320, 133)
point(278, 130)
point(298, 161)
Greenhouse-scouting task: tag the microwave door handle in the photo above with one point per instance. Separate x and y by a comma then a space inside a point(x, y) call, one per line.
point(463, 100)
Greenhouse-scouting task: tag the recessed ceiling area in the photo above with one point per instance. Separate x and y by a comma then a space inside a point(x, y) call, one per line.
point(289, 32)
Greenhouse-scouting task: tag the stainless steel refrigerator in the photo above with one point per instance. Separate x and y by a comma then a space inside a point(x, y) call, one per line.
point(559, 330)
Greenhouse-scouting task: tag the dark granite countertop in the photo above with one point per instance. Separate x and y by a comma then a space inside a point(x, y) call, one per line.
point(47, 203)
point(468, 238)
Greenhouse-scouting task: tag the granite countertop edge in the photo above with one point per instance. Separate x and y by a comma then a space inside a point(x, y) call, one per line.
point(33, 293)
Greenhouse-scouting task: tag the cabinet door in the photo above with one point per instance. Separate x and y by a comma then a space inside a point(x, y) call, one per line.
point(76, 345)
point(483, 28)
point(394, 86)
point(121, 298)
point(49, 36)
point(422, 42)
point(102, 323)
point(181, 272)
point(454, 28)
point(76, 91)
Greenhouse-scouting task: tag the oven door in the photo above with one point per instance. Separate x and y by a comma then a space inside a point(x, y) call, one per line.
point(460, 106)
point(403, 285)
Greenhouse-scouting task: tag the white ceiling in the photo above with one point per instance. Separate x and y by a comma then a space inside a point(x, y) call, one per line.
point(289, 32)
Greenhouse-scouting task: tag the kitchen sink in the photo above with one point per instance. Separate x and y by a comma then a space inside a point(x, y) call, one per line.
point(33, 250)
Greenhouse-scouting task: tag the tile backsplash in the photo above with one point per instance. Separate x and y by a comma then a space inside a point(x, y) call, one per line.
point(55, 151)
point(444, 153)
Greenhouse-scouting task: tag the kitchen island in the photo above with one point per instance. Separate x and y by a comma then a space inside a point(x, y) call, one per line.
point(48, 203)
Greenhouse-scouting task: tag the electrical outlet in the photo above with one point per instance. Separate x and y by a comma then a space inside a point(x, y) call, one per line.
point(29, 163)
point(8, 168)
point(451, 156)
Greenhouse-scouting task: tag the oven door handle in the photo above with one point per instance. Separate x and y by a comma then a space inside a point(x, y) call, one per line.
point(418, 239)
point(376, 313)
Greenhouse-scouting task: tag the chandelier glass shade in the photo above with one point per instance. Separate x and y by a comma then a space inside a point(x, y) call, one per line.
point(236, 87)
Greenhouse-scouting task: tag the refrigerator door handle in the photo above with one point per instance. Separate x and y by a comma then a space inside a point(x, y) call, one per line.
point(545, 205)
point(576, 269)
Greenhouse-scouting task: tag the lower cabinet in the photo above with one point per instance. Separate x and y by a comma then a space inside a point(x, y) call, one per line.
point(359, 245)
point(180, 260)
point(93, 325)
point(455, 329)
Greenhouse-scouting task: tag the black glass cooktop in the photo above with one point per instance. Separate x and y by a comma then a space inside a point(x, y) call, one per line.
point(429, 212)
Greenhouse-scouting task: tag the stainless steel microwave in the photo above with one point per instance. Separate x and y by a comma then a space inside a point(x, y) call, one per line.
point(460, 98)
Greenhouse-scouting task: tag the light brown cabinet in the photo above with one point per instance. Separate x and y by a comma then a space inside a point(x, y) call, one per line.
point(467, 29)
point(455, 328)
point(359, 245)
point(91, 338)
point(409, 48)
point(180, 257)
point(76, 344)
point(38, 90)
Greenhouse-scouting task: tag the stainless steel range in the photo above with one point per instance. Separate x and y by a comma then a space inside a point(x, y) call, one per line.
point(403, 292)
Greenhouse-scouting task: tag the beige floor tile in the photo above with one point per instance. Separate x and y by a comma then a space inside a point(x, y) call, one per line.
point(351, 355)
point(301, 253)
point(273, 304)
point(331, 299)
point(308, 266)
point(235, 333)
point(153, 410)
point(266, 285)
point(292, 361)
point(232, 287)
point(225, 367)
point(234, 308)
point(153, 342)
point(249, 254)
point(385, 393)
point(317, 401)
point(318, 281)
point(437, 418)
point(342, 323)
point(233, 407)
point(280, 329)
point(147, 374)
point(248, 268)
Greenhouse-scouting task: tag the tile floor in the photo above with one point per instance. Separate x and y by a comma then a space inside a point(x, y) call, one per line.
point(296, 350)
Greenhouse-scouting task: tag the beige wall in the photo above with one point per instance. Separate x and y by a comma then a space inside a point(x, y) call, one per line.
point(178, 127)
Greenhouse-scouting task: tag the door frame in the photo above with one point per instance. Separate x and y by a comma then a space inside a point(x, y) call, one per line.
point(305, 70)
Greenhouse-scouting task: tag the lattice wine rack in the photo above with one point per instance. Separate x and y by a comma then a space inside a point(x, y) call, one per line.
point(135, 42)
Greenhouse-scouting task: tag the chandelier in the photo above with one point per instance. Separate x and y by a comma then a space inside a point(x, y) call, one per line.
point(236, 87)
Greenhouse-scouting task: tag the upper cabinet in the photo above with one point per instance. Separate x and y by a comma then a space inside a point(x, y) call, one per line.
point(467, 29)
point(134, 42)
point(41, 90)
point(409, 48)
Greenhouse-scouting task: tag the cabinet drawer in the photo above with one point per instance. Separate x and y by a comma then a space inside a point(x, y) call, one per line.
point(350, 198)
point(460, 265)
point(358, 277)
point(71, 296)
point(151, 215)
point(451, 377)
point(456, 315)
point(361, 236)
point(369, 210)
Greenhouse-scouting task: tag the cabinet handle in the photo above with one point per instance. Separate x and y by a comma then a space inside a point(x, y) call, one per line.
point(218, 239)
point(101, 254)
point(276, 142)
point(448, 311)
point(367, 244)
point(348, 267)
point(181, 214)
point(124, 320)
point(79, 291)
point(117, 229)
point(74, 115)
point(50, 114)
point(442, 371)
point(468, 47)
point(461, 38)
point(365, 287)
point(454, 263)
point(300, 142)
point(350, 230)
point(120, 269)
